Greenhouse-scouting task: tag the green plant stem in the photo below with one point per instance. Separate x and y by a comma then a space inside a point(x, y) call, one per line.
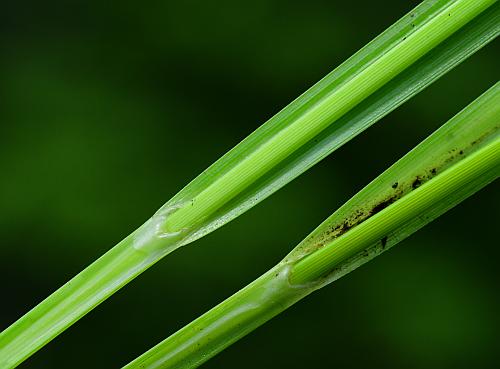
point(224, 324)
point(331, 108)
point(73, 300)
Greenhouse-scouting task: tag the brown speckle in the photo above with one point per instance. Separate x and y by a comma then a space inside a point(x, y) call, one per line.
point(382, 205)
point(416, 183)
point(345, 227)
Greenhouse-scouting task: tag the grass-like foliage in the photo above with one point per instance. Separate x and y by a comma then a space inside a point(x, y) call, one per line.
point(453, 163)
point(410, 55)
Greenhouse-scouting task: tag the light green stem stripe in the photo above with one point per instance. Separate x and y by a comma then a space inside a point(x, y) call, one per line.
point(324, 260)
point(331, 108)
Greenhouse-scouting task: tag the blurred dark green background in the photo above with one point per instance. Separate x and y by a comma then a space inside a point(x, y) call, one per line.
point(109, 108)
